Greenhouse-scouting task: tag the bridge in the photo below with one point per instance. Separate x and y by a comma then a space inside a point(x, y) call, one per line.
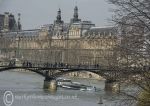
point(35, 50)
point(52, 71)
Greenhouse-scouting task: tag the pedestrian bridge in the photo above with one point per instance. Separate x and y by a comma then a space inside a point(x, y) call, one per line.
point(52, 71)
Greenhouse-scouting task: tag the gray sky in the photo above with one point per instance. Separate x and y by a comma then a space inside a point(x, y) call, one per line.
point(39, 12)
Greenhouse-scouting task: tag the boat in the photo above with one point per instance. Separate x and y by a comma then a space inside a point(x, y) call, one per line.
point(61, 81)
point(73, 86)
point(78, 86)
point(68, 84)
point(88, 88)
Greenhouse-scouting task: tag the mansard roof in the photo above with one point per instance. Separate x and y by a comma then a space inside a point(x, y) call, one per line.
point(23, 33)
point(99, 32)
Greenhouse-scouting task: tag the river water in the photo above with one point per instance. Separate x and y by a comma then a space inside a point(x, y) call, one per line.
point(27, 90)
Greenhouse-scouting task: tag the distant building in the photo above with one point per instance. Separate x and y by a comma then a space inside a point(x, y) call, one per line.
point(76, 42)
point(75, 18)
point(75, 29)
point(57, 29)
point(78, 29)
point(8, 22)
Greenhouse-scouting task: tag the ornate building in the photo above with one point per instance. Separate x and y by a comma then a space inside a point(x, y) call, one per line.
point(77, 42)
point(75, 29)
point(77, 34)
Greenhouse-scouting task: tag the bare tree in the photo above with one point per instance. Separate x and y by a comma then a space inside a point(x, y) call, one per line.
point(132, 18)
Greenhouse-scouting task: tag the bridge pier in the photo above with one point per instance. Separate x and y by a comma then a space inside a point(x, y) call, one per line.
point(50, 85)
point(112, 86)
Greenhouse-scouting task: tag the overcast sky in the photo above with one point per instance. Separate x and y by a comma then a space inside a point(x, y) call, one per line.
point(35, 13)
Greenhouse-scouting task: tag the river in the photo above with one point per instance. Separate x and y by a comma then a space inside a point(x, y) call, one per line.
point(27, 90)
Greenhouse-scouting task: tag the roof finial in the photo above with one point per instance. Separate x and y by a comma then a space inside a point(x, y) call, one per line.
point(58, 18)
point(75, 13)
point(59, 15)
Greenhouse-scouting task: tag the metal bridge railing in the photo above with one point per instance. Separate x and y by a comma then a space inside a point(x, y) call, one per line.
point(28, 64)
point(47, 65)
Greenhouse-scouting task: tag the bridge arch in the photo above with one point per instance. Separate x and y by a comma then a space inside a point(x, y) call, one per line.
point(63, 72)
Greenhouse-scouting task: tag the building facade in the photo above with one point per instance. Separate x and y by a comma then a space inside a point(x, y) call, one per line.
point(77, 42)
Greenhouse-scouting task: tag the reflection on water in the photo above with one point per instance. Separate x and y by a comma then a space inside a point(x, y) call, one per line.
point(28, 90)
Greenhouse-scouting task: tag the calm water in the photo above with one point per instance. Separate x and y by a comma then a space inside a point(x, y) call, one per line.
point(27, 91)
